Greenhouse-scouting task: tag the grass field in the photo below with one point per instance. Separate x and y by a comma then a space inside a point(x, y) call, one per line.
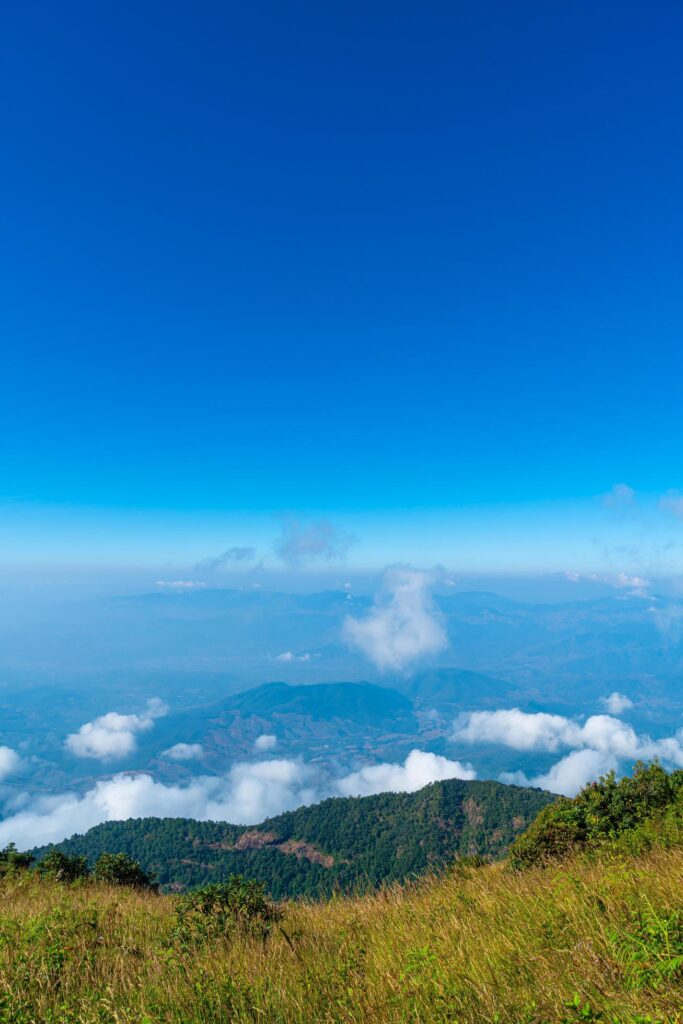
point(588, 941)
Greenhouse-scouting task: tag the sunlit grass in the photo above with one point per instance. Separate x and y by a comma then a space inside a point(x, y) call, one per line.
point(585, 941)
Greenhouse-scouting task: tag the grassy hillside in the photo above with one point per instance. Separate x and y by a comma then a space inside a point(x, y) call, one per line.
point(339, 844)
point(583, 922)
point(592, 940)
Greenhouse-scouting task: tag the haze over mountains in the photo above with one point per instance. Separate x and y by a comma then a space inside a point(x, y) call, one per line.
point(239, 704)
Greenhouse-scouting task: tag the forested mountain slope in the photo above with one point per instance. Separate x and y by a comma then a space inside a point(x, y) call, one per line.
point(341, 843)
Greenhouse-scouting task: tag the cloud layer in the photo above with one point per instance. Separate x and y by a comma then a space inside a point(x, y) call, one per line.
point(597, 745)
point(10, 762)
point(113, 735)
point(265, 742)
point(418, 770)
point(402, 626)
point(569, 774)
point(246, 794)
point(184, 752)
point(617, 703)
point(540, 731)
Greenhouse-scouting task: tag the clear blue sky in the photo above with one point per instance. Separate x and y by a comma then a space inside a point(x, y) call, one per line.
point(338, 258)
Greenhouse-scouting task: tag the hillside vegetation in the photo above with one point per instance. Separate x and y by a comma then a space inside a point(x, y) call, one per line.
point(593, 933)
point(340, 844)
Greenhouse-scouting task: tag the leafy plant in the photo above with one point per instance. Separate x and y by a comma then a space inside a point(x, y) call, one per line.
point(238, 903)
point(633, 813)
point(62, 867)
point(120, 869)
point(12, 860)
point(650, 947)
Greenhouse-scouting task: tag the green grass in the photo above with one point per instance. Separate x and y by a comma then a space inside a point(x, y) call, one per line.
point(585, 940)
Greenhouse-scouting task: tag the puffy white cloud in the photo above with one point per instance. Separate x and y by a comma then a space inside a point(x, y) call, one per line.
point(184, 752)
point(597, 745)
point(522, 730)
point(418, 770)
point(290, 656)
point(10, 762)
point(617, 703)
point(246, 794)
point(517, 729)
point(113, 735)
point(299, 545)
point(402, 626)
point(181, 585)
point(265, 742)
point(568, 775)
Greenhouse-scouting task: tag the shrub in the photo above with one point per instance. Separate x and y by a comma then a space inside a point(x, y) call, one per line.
point(62, 867)
point(12, 860)
point(633, 812)
point(120, 869)
point(223, 906)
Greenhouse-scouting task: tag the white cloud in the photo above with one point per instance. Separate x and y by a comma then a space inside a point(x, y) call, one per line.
point(617, 703)
point(265, 742)
point(568, 775)
point(290, 656)
point(521, 730)
point(10, 762)
point(637, 586)
point(181, 585)
point(113, 735)
point(184, 751)
point(402, 625)
point(517, 729)
point(597, 745)
point(418, 770)
point(299, 545)
point(246, 794)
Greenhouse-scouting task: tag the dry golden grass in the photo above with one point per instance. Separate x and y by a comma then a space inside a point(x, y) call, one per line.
point(588, 941)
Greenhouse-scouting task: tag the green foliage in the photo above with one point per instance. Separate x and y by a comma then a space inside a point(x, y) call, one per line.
point(632, 814)
point(350, 844)
point(62, 866)
point(597, 940)
point(650, 946)
point(120, 869)
point(13, 861)
point(238, 903)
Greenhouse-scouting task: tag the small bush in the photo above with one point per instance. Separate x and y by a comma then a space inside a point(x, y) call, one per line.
point(120, 869)
point(223, 906)
point(636, 811)
point(62, 867)
point(13, 861)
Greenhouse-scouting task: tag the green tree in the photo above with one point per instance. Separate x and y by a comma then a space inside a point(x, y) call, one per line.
point(120, 869)
point(62, 866)
point(12, 860)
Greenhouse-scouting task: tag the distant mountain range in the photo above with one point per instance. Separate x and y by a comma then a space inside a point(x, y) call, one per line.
point(340, 844)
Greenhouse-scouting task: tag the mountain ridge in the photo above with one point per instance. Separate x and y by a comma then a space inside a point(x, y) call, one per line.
point(340, 844)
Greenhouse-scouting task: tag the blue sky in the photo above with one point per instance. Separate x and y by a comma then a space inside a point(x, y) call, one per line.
point(412, 268)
